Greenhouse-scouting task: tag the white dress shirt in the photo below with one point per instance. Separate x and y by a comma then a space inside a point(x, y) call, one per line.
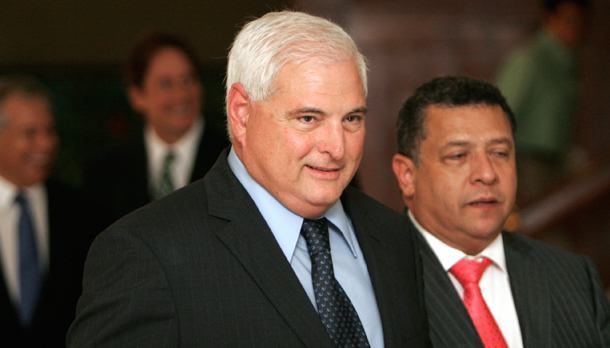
point(348, 263)
point(494, 284)
point(9, 231)
point(185, 151)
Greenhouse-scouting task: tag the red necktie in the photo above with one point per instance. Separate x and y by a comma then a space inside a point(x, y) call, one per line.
point(468, 273)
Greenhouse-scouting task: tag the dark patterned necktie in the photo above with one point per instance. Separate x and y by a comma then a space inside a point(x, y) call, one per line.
point(334, 307)
point(166, 181)
point(29, 272)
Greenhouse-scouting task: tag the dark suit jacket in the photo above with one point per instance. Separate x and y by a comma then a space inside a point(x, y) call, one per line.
point(119, 181)
point(201, 268)
point(69, 241)
point(558, 297)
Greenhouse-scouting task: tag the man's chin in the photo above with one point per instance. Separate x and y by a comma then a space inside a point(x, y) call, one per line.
point(487, 231)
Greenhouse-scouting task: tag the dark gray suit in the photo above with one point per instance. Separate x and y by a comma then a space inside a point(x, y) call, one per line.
point(201, 268)
point(558, 297)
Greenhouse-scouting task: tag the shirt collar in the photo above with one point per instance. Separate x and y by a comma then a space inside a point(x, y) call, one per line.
point(8, 192)
point(184, 146)
point(449, 256)
point(285, 224)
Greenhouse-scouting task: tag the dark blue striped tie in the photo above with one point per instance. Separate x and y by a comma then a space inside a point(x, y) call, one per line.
point(29, 270)
point(334, 307)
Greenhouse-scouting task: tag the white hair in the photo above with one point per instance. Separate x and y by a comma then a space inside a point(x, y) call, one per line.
point(265, 45)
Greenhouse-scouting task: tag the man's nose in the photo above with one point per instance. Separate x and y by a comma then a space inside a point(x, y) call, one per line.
point(483, 170)
point(47, 140)
point(333, 141)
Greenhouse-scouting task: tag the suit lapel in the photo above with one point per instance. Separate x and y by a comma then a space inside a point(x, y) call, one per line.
point(530, 293)
point(395, 300)
point(372, 248)
point(450, 323)
point(202, 162)
point(252, 243)
point(137, 168)
point(9, 322)
point(210, 145)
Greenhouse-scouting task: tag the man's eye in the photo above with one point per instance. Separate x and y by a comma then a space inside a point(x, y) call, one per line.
point(307, 119)
point(458, 155)
point(353, 118)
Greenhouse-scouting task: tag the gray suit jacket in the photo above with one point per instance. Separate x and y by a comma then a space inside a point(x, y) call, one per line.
point(201, 268)
point(558, 297)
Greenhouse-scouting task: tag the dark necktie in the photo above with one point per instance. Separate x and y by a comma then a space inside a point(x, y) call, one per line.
point(29, 270)
point(166, 181)
point(334, 307)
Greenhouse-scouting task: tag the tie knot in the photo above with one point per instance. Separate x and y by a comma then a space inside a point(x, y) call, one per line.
point(170, 156)
point(21, 199)
point(469, 271)
point(315, 233)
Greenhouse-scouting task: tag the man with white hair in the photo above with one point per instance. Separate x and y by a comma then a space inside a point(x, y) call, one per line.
point(270, 249)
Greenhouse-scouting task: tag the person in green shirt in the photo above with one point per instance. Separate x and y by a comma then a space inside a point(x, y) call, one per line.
point(539, 81)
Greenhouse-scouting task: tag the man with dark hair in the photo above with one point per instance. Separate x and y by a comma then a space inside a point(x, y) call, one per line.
point(540, 82)
point(43, 225)
point(175, 148)
point(485, 287)
point(143, 52)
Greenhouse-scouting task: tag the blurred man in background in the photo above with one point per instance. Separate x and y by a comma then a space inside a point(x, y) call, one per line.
point(43, 226)
point(175, 147)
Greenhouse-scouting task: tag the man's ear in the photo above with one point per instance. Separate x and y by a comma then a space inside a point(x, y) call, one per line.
point(136, 98)
point(405, 171)
point(238, 108)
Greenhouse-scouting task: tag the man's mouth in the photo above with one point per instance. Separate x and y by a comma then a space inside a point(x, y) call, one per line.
point(183, 109)
point(322, 169)
point(40, 160)
point(483, 201)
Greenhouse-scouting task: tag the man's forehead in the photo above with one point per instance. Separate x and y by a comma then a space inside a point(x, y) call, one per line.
point(295, 71)
point(450, 117)
point(22, 109)
point(21, 99)
point(463, 124)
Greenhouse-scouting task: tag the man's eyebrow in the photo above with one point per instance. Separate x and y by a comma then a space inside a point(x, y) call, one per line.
point(306, 110)
point(457, 143)
point(503, 140)
point(361, 110)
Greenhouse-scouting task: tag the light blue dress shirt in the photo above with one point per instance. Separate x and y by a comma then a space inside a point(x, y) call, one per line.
point(348, 263)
